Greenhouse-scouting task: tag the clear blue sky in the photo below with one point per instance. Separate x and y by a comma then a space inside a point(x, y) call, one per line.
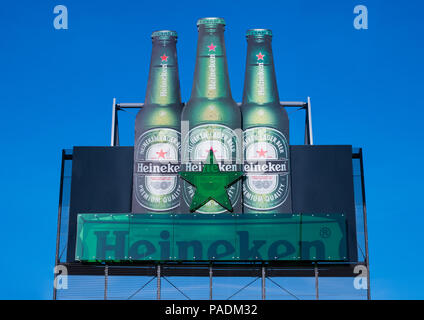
point(56, 90)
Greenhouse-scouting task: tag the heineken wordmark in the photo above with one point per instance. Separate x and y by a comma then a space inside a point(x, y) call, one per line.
point(266, 185)
point(156, 186)
point(211, 116)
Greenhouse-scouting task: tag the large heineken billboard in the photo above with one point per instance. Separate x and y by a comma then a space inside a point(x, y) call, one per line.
point(212, 179)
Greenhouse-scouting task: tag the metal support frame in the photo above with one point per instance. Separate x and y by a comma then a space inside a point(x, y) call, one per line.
point(114, 140)
point(316, 281)
point(59, 217)
point(364, 209)
point(210, 281)
point(141, 288)
point(247, 285)
point(263, 282)
point(59, 214)
point(284, 289)
point(178, 289)
point(106, 280)
point(158, 282)
point(115, 130)
point(309, 140)
point(266, 270)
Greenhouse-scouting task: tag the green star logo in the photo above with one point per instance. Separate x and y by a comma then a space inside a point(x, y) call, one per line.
point(211, 184)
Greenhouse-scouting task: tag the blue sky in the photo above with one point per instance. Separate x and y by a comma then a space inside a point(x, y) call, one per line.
point(56, 90)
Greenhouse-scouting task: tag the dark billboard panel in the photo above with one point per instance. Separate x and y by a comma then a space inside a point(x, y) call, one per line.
point(321, 229)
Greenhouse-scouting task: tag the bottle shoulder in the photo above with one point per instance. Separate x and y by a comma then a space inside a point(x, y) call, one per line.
point(220, 111)
point(269, 115)
point(155, 116)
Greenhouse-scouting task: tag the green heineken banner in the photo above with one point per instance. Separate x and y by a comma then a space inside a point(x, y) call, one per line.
point(220, 237)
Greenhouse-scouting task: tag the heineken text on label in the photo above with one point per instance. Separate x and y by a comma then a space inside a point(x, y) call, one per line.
point(164, 77)
point(261, 75)
point(212, 68)
point(157, 169)
point(267, 168)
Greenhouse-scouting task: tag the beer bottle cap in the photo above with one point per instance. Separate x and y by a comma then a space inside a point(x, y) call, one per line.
point(259, 32)
point(211, 21)
point(164, 34)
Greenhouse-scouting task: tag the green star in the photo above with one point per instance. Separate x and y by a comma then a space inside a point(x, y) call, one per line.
point(211, 184)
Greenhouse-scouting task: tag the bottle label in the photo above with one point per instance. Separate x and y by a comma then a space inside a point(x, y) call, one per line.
point(266, 168)
point(197, 146)
point(156, 168)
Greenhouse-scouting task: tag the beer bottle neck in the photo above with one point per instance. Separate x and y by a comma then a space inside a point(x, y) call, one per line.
point(211, 79)
point(163, 85)
point(260, 84)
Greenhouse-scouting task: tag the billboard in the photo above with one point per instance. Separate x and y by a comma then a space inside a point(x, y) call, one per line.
point(103, 228)
point(235, 237)
point(212, 179)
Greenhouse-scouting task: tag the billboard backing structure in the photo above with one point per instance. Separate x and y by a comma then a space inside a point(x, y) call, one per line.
point(99, 235)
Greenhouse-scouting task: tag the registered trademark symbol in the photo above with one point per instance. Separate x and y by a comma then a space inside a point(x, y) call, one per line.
point(325, 232)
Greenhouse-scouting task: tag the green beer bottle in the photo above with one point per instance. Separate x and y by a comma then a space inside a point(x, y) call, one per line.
point(211, 119)
point(266, 185)
point(157, 147)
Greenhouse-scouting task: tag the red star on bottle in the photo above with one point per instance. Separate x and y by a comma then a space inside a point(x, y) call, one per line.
point(211, 47)
point(161, 154)
point(211, 149)
point(164, 58)
point(260, 56)
point(261, 153)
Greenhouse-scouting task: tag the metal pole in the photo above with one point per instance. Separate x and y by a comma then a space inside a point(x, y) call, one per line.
point(367, 261)
point(309, 139)
point(306, 139)
point(158, 282)
point(316, 282)
point(112, 134)
point(130, 105)
point(292, 103)
point(59, 218)
point(116, 128)
point(263, 282)
point(106, 278)
point(210, 281)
